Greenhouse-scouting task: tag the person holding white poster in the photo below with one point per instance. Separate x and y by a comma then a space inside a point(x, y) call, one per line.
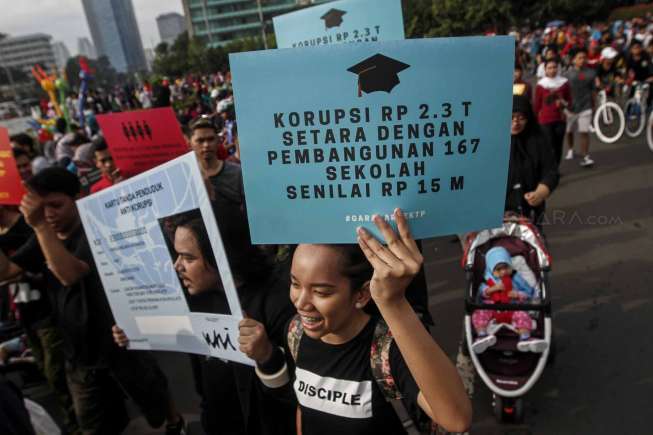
point(231, 388)
point(176, 281)
point(263, 297)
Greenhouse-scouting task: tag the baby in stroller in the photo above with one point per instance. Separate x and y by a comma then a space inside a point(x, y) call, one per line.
point(503, 285)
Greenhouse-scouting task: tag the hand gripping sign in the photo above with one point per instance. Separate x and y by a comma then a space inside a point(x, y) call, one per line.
point(157, 248)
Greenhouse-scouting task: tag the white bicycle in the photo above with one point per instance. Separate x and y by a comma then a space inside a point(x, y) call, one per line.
point(609, 122)
point(635, 110)
point(649, 131)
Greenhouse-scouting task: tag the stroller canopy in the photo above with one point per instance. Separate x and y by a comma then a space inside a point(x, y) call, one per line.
point(518, 227)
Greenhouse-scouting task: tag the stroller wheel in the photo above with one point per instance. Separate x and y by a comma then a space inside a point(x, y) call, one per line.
point(508, 410)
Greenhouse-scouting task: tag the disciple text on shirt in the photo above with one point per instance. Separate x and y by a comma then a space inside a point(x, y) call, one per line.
point(333, 396)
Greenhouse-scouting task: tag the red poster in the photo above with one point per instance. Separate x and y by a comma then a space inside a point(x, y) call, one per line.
point(11, 186)
point(142, 139)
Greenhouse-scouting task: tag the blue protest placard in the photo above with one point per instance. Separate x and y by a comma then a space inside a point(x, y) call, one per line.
point(339, 22)
point(330, 136)
point(142, 233)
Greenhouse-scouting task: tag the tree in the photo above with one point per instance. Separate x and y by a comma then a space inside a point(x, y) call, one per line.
point(172, 60)
point(191, 55)
point(427, 18)
point(104, 75)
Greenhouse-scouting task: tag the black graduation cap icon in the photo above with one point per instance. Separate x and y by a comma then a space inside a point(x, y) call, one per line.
point(333, 18)
point(378, 73)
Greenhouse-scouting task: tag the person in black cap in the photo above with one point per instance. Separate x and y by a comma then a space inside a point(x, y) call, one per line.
point(377, 73)
point(333, 18)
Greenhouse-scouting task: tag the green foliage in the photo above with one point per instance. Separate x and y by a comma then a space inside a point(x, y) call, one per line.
point(635, 11)
point(429, 18)
point(190, 55)
point(422, 18)
point(104, 75)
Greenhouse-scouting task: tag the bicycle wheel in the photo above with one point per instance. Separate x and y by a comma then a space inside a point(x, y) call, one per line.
point(635, 118)
point(609, 122)
point(649, 131)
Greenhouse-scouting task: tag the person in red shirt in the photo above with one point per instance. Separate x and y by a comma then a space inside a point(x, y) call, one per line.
point(552, 97)
point(104, 162)
point(594, 54)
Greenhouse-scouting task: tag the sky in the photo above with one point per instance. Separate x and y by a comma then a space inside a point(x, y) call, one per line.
point(65, 21)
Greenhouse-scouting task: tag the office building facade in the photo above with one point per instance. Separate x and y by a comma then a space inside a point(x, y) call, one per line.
point(86, 48)
point(114, 31)
point(23, 52)
point(170, 26)
point(218, 22)
point(61, 54)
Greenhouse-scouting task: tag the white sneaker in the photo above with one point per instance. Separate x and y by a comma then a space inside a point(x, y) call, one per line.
point(569, 155)
point(534, 345)
point(493, 327)
point(481, 344)
point(586, 162)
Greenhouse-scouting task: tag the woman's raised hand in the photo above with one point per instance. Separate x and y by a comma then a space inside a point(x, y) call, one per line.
point(396, 264)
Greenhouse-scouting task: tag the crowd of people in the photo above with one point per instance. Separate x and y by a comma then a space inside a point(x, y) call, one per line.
point(45, 250)
point(570, 64)
point(312, 311)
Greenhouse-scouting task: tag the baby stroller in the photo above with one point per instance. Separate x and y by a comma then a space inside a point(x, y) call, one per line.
point(507, 372)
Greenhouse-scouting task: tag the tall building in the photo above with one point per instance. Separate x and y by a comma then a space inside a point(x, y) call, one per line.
point(218, 22)
point(61, 54)
point(149, 58)
point(170, 26)
point(86, 48)
point(115, 33)
point(26, 51)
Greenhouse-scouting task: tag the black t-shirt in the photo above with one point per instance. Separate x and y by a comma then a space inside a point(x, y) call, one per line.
point(234, 387)
point(231, 216)
point(607, 77)
point(337, 392)
point(641, 67)
point(28, 292)
point(81, 310)
point(228, 185)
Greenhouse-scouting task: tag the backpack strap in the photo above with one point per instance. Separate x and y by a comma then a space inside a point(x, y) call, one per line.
point(380, 361)
point(295, 332)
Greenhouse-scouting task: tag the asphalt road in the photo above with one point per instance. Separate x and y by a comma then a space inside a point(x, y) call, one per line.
point(600, 235)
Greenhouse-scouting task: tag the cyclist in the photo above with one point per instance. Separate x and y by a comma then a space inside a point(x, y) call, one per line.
point(638, 63)
point(608, 76)
point(639, 69)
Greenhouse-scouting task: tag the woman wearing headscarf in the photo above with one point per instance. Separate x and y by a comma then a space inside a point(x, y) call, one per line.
point(533, 172)
point(552, 97)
